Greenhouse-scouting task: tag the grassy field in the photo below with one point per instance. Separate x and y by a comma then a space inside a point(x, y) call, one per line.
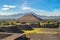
point(39, 30)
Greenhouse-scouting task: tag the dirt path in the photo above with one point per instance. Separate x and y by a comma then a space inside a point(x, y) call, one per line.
point(35, 36)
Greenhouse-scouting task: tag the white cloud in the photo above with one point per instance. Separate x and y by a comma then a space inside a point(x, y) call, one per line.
point(4, 13)
point(43, 12)
point(26, 8)
point(24, 5)
point(12, 6)
point(7, 7)
point(7, 13)
point(54, 12)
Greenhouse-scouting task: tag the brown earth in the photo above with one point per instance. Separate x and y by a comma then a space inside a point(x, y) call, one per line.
point(35, 36)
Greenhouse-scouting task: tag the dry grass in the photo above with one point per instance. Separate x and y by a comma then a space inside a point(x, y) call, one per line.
point(38, 30)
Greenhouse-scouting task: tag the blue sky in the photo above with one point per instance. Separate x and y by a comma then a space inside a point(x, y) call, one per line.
point(40, 7)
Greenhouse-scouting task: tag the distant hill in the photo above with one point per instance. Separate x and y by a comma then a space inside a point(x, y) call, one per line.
point(15, 16)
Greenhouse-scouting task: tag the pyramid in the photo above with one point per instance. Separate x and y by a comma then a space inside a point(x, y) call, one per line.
point(29, 18)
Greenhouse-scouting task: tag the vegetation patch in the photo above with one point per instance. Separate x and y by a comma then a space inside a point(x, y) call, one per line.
point(38, 30)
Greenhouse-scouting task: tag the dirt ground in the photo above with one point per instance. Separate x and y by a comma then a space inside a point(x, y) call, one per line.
point(38, 36)
point(35, 36)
